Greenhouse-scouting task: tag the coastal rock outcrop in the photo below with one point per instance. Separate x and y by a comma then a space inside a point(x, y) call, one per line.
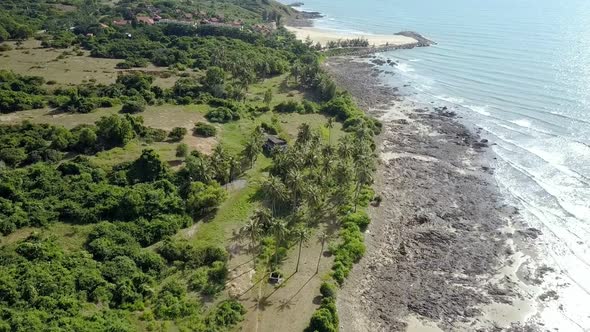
point(438, 238)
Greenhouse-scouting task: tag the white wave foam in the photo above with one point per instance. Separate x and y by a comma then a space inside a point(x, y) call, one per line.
point(415, 60)
point(522, 122)
point(479, 109)
point(452, 100)
point(404, 67)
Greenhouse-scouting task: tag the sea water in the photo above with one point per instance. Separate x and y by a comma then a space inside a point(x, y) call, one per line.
point(519, 69)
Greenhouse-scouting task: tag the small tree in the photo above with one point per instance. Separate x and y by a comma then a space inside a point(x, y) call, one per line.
point(268, 97)
point(181, 150)
point(204, 129)
point(147, 168)
point(133, 106)
point(177, 134)
point(203, 198)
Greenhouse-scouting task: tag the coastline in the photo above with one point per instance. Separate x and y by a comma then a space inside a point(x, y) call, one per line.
point(445, 251)
point(442, 222)
point(323, 36)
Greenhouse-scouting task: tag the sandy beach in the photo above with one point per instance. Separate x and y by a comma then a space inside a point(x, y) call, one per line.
point(322, 36)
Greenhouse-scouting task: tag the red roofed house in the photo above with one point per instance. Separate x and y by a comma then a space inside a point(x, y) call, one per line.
point(145, 20)
point(121, 22)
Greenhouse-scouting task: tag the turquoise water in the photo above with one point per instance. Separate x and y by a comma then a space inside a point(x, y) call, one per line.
point(520, 69)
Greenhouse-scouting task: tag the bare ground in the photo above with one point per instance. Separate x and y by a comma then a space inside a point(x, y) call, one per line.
point(288, 307)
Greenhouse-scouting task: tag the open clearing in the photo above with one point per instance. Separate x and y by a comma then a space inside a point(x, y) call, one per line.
point(54, 65)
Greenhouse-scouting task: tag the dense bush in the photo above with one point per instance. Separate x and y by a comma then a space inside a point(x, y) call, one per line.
point(225, 315)
point(177, 134)
point(181, 150)
point(204, 130)
point(289, 107)
point(269, 128)
point(62, 39)
point(19, 92)
point(325, 318)
point(328, 290)
point(204, 198)
point(133, 106)
point(222, 115)
point(361, 219)
point(29, 143)
point(349, 251)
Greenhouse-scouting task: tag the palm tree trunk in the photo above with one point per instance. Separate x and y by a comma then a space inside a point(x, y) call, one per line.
point(299, 256)
point(317, 270)
point(253, 254)
point(277, 252)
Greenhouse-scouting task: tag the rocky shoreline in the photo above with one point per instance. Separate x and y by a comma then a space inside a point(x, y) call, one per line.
point(443, 248)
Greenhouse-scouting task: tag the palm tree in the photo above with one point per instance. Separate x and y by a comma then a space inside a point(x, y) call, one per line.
point(278, 228)
point(296, 182)
point(295, 72)
point(302, 234)
point(330, 125)
point(252, 148)
point(274, 191)
point(234, 168)
point(304, 134)
point(322, 237)
point(199, 169)
point(345, 148)
point(253, 231)
point(311, 158)
point(315, 198)
point(263, 217)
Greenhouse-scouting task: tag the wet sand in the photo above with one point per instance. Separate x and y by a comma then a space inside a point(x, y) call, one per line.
point(445, 253)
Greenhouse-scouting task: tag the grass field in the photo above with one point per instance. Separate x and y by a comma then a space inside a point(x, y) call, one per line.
point(69, 237)
point(53, 65)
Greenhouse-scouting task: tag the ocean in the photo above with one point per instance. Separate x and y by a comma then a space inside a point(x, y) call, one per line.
point(520, 70)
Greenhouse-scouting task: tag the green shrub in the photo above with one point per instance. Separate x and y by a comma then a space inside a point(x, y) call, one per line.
point(322, 320)
point(204, 130)
point(309, 107)
point(133, 106)
point(269, 128)
point(350, 250)
point(222, 115)
point(154, 135)
point(177, 134)
point(328, 290)
point(289, 107)
point(225, 315)
point(182, 150)
point(361, 219)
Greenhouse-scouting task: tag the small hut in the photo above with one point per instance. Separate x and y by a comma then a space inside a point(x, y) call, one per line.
point(273, 142)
